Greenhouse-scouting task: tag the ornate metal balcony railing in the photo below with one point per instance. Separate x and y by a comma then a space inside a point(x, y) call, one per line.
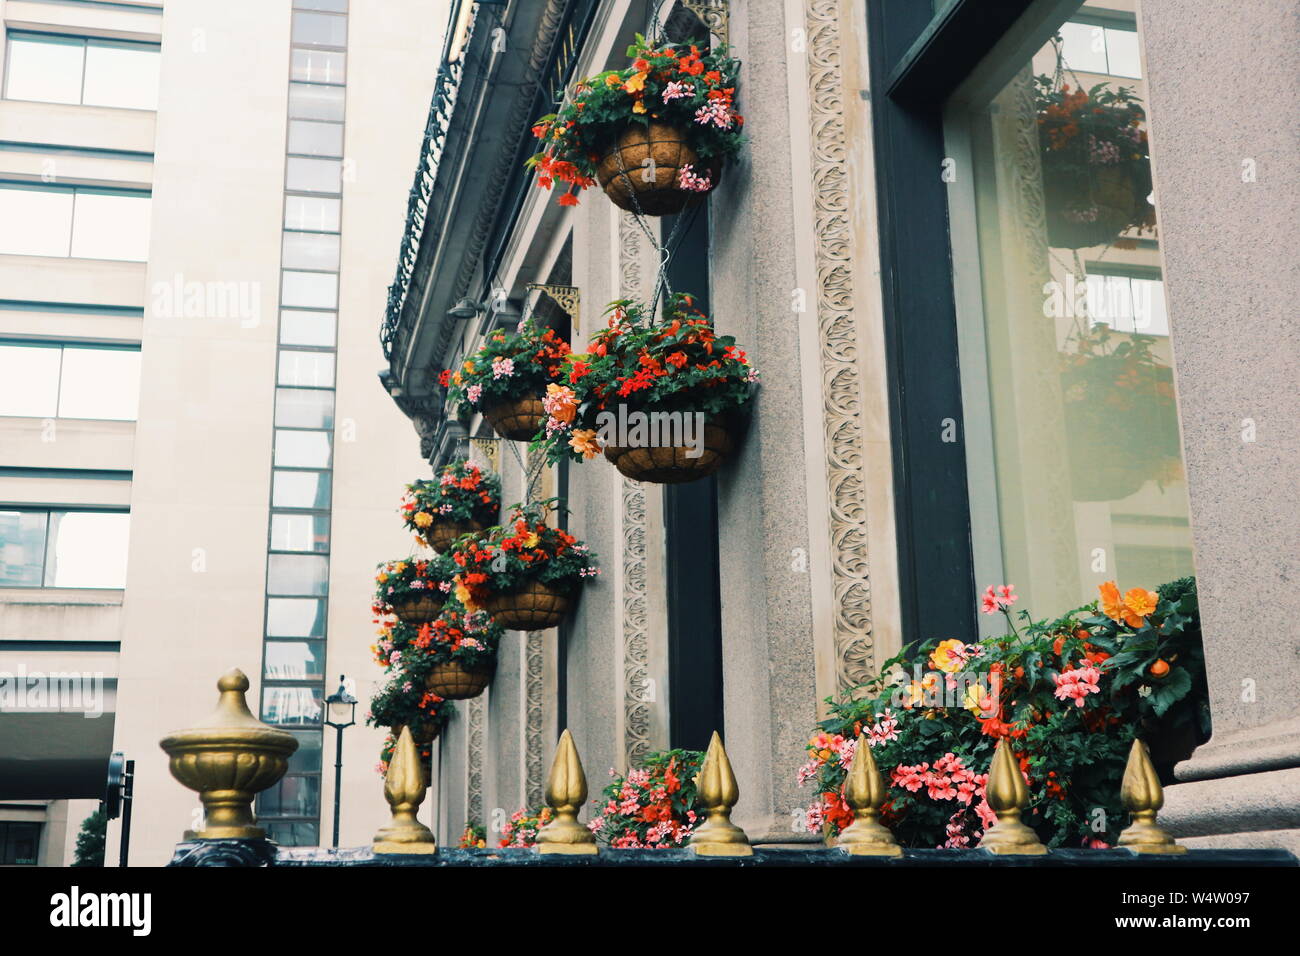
point(445, 93)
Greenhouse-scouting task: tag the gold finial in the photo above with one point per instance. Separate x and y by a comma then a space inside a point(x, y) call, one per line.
point(717, 793)
point(566, 792)
point(404, 789)
point(1143, 797)
point(229, 759)
point(864, 790)
point(1007, 796)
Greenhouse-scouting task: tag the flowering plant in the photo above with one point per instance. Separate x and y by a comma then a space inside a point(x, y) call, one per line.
point(402, 701)
point(461, 493)
point(650, 807)
point(470, 638)
point(1068, 695)
point(1083, 137)
point(508, 367)
point(474, 837)
point(412, 577)
point(521, 829)
point(425, 751)
point(526, 548)
point(674, 84)
point(678, 365)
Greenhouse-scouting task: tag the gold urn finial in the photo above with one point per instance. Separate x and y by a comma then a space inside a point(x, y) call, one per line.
point(717, 793)
point(566, 792)
point(1143, 797)
point(404, 789)
point(864, 791)
point(229, 759)
point(1007, 796)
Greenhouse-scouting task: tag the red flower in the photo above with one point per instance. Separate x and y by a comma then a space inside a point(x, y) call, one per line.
point(568, 199)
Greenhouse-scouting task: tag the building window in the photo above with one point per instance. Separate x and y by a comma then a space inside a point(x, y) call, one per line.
point(19, 843)
point(40, 380)
point(48, 68)
point(79, 222)
point(63, 549)
point(1072, 436)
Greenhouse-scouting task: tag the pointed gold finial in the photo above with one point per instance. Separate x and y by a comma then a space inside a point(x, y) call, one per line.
point(404, 789)
point(864, 791)
point(229, 759)
point(1007, 796)
point(566, 792)
point(1143, 797)
point(717, 792)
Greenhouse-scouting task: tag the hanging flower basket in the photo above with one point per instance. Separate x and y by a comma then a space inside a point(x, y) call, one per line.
point(661, 400)
point(462, 498)
point(453, 681)
point(517, 420)
point(1095, 161)
point(422, 732)
point(674, 464)
point(645, 169)
point(419, 608)
point(526, 573)
point(442, 534)
point(533, 607)
point(654, 135)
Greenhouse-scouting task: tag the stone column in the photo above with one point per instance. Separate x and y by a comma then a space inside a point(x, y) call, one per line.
point(1221, 77)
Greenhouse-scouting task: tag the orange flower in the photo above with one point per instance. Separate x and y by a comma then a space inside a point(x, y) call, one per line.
point(1159, 669)
point(584, 441)
point(1133, 609)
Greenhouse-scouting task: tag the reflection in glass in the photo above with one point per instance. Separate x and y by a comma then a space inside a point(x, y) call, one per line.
point(319, 66)
point(307, 758)
point(46, 69)
point(315, 139)
point(295, 617)
point(311, 250)
point(315, 102)
point(295, 532)
point(311, 214)
point(291, 705)
point(304, 408)
point(308, 369)
point(320, 29)
point(306, 574)
point(310, 290)
point(295, 660)
point(300, 489)
point(120, 74)
point(22, 548)
point(1064, 337)
point(313, 175)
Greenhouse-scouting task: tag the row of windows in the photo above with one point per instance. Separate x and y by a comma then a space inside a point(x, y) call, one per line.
point(79, 222)
point(50, 380)
point(81, 70)
point(297, 574)
point(63, 549)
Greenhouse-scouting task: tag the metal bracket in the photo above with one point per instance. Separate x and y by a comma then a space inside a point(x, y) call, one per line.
point(567, 297)
point(715, 15)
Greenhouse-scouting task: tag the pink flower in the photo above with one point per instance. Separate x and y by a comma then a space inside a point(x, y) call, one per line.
point(676, 91)
point(998, 598)
point(474, 391)
point(716, 112)
point(688, 180)
point(1077, 684)
point(503, 367)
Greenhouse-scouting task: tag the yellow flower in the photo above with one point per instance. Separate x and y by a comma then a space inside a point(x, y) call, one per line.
point(468, 367)
point(612, 80)
point(635, 84)
point(381, 578)
point(465, 598)
point(423, 519)
point(974, 699)
point(531, 540)
point(942, 657)
point(399, 567)
point(638, 107)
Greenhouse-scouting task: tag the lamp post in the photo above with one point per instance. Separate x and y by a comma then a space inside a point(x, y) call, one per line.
point(340, 713)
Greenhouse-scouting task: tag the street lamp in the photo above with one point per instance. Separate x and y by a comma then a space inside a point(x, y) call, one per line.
point(340, 713)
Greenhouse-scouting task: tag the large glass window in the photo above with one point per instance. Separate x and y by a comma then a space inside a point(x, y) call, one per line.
point(90, 71)
point(81, 222)
point(20, 843)
point(39, 380)
point(313, 101)
point(64, 549)
point(300, 489)
point(319, 66)
point(295, 617)
point(301, 449)
point(310, 290)
point(311, 138)
point(313, 175)
point(307, 328)
point(311, 214)
point(1073, 451)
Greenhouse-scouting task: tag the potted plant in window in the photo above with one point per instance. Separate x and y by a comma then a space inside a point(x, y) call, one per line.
point(525, 573)
point(663, 401)
point(462, 650)
point(462, 500)
point(1096, 163)
point(507, 377)
point(655, 134)
point(1120, 419)
point(414, 589)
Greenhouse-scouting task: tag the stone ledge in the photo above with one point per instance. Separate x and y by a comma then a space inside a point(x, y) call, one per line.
point(1235, 809)
point(1268, 747)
